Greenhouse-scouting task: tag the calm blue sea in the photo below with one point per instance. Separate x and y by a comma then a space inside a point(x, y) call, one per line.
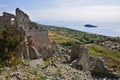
point(108, 29)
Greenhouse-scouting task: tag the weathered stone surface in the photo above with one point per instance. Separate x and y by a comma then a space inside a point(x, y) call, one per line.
point(29, 30)
point(46, 54)
point(22, 52)
point(7, 20)
point(35, 45)
point(80, 57)
point(76, 52)
point(33, 53)
point(82, 60)
point(44, 70)
point(98, 68)
point(56, 49)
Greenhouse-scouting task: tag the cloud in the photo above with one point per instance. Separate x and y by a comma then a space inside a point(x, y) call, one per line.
point(117, 29)
point(3, 6)
point(78, 13)
point(0, 13)
point(64, 3)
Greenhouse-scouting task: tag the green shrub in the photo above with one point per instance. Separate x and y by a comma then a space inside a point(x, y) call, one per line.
point(67, 43)
point(8, 44)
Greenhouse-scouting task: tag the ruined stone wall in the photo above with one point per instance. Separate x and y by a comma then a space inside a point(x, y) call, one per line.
point(43, 34)
point(1, 23)
point(24, 27)
point(40, 41)
point(22, 19)
point(84, 59)
point(39, 36)
point(7, 20)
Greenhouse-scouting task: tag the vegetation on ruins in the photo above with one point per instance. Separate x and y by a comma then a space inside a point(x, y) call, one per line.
point(8, 45)
point(26, 42)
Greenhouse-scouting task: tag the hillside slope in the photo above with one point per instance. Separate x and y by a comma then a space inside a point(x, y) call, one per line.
point(82, 36)
point(66, 37)
point(111, 57)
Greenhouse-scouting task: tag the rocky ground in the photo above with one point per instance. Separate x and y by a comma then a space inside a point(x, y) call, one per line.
point(54, 69)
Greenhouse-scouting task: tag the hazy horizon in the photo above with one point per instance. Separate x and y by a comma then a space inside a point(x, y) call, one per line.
point(102, 29)
point(71, 13)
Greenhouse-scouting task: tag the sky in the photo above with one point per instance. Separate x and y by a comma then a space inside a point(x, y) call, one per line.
point(71, 13)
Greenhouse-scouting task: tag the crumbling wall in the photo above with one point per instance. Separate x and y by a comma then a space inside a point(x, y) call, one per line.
point(84, 59)
point(38, 37)
point(7, 20)
point(85, 62)
point(39, 42)
point(76, 52)
point(29, 30)
point(79, 57)
point(1, 21)
point(22, 19)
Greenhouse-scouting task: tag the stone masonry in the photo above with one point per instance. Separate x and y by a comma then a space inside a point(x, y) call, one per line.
point(35, 38)
point(81, 60)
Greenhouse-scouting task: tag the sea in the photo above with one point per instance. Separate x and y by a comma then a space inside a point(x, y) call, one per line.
point(108, 29)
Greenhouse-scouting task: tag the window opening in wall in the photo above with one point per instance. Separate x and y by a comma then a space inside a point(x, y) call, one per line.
point(12, 21)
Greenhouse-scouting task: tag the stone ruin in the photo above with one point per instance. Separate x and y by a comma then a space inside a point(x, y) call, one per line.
point(7, 20)
point(36, 44)
point(79, 57)
point(35, 37)
point(81, 60)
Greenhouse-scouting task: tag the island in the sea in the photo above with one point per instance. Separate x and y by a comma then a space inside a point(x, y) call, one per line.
point(90, 26)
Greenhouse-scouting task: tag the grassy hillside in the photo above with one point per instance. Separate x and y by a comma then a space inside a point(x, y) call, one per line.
point(63, 40)
point(59, 38)
point(103, 51)
point(111, 57)
point(66, 37)
point(83, 37)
